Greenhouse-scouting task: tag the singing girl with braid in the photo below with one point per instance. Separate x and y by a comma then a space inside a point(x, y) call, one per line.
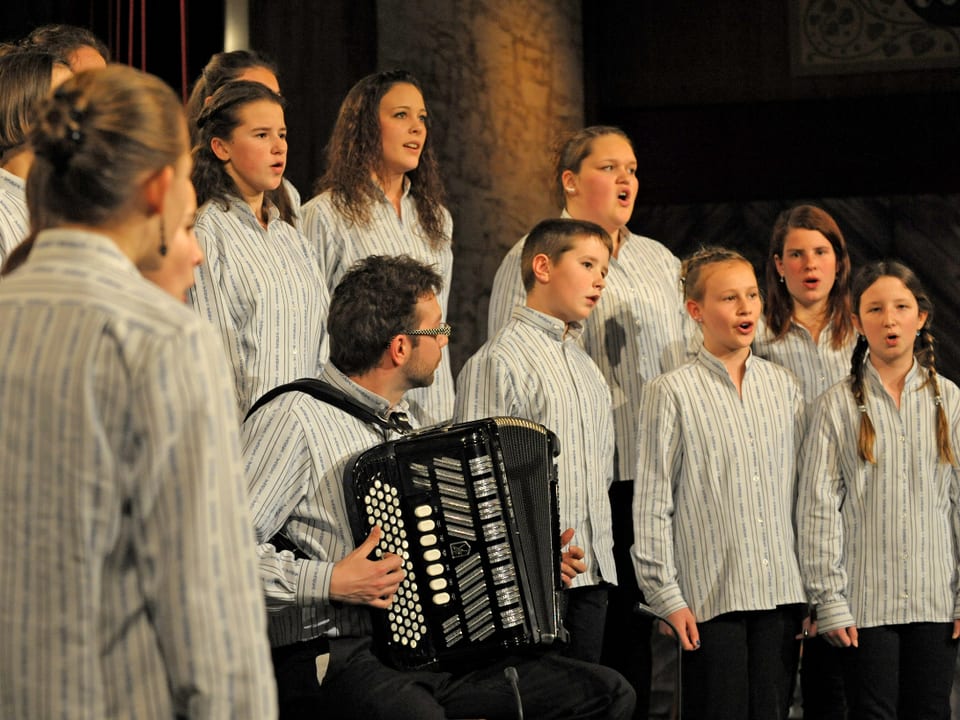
point(714, 546)
point(878, 517)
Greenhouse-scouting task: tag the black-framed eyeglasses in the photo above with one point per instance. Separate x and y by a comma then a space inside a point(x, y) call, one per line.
point(441, 329)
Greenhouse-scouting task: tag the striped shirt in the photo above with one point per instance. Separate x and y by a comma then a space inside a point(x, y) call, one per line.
point(534, 368)
point(14, 216)
point(879, 543)
point(637, 331)
point(261, 290)
point(293, 195)
point(129, 587)
point(339, 244)
point(816, 365)
point(714, 496)
point(295, 451)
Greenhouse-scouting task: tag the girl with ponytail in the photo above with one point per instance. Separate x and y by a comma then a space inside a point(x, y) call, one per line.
point(877, 515)
point(261, 285)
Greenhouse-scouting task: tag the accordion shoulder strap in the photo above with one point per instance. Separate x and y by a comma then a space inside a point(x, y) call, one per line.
point(324, 392)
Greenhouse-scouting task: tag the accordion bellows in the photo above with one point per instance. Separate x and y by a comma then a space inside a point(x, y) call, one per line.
point(472, 510)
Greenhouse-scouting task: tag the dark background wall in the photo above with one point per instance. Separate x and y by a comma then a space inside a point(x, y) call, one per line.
point(726, 131)
point(710, 99)
point(728, 135)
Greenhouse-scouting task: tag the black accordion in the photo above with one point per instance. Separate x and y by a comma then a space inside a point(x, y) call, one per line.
point(472, 510)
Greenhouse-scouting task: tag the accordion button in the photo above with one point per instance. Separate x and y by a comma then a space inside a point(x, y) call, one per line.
point(425, 526)
point(431, 555)
point(434, 570)
point(428, 540)
point(438, 584)
point(441, 598)
point(422, 511)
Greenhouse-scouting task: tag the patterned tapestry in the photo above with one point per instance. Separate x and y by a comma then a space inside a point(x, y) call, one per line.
point(854, 36)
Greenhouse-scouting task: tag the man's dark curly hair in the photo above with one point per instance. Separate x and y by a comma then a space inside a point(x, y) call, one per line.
point(376, 301)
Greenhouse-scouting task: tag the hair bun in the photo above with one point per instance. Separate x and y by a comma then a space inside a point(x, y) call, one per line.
point(59, 134)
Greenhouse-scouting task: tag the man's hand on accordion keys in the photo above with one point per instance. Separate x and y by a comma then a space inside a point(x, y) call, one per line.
point(571, 559)
point(360, 581)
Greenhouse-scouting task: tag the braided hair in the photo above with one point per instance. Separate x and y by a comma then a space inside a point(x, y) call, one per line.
point(923, 350)
point(691, 270)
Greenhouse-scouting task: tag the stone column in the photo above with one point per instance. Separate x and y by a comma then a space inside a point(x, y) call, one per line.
point(502, 79)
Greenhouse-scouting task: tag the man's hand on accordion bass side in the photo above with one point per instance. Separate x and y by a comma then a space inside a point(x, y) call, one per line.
point(359, 581)
point(571, 559)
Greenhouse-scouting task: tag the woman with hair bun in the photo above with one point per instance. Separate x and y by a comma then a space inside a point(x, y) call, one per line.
point(129, 586)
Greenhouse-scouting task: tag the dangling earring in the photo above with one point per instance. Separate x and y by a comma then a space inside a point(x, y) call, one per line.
point(163, 240)
point(782, 280)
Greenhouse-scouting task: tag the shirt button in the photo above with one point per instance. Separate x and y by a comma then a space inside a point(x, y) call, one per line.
point(765, 562)
point(756, 478)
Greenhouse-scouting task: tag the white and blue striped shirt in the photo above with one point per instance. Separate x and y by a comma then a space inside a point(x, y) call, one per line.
point(534, 368)
point(339, 244)
point(879, 542)
point(296, 449)
point(714, 495)
point(817, 366)
point(262, 291)
point(128, 588)
point(14, 216)
point(637, 331)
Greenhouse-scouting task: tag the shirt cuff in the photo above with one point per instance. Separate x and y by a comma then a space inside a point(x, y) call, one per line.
point(667, 600)
point(314, 582)
point(833, 615)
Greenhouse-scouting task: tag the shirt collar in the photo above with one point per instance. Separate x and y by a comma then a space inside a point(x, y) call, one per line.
point(15, 182)
point(554, 327)
point(825, 334)
point(404, 191)
point(716, 366)
point(914, 379)
point(377, 404)
point(89, 249)
point(240, 205)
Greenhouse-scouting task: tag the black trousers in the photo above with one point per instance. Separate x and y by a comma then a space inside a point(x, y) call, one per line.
point(822, 681)
point(901, 672)
point(585, 618)
point(626, 641)
point(358, 686)
point(744, 667)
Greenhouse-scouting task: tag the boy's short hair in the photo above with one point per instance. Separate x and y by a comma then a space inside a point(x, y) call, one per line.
point(553, 238)
point(375, 301)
